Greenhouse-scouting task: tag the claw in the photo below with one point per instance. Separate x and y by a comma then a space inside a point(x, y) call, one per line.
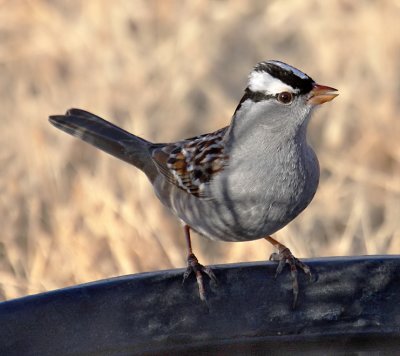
point(195, 267)
point(284, 256)
point(208, 271)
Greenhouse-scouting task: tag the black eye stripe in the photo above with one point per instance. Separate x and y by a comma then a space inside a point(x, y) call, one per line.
point(256, 96)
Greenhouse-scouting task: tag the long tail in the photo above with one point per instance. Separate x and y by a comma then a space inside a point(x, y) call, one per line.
point(106, 136)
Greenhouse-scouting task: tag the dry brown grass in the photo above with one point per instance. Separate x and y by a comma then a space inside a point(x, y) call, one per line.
point(170, 69)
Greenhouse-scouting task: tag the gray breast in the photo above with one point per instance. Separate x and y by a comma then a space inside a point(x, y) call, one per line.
point(248, 201)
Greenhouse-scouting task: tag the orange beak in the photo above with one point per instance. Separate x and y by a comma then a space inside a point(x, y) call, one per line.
point(321, 94)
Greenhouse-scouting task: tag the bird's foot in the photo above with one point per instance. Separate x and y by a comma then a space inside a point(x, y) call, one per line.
point(284, 256)
point(198, 269)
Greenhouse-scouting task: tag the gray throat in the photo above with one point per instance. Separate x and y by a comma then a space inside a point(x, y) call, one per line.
point(253, 135)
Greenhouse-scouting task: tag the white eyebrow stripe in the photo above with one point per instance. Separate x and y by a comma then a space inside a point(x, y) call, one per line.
point(294, 70)
point(264, 82)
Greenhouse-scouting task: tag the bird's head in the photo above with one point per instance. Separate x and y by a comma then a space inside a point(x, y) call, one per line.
point(279, 95)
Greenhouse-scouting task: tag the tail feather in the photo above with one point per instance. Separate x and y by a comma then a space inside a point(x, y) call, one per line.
point(106, 136)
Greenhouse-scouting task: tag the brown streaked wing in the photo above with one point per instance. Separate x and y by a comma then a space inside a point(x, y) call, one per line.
point(190, 164)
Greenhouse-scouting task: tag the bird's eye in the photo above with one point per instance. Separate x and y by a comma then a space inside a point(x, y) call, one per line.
point(285, 97)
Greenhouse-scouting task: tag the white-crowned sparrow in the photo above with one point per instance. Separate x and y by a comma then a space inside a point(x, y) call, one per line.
point(240, 183)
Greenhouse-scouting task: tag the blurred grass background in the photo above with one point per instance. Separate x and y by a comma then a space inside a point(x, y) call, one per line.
point(171, 69)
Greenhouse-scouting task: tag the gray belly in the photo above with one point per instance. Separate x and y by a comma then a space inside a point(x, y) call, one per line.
point(241, 218)
point(245, 206)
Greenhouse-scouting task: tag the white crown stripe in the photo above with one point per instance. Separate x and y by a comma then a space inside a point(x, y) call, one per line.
point(264, 82)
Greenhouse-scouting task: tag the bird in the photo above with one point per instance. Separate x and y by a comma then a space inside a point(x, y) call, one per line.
point(242, 182)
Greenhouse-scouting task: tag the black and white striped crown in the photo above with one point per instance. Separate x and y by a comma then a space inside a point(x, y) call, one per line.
point(274, 77)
